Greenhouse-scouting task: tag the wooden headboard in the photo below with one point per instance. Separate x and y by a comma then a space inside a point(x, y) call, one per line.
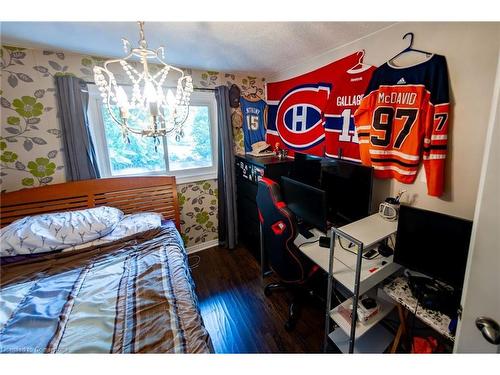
point(129, 194)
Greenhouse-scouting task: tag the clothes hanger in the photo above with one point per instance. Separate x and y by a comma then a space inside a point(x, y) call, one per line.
point(362, 66)
point(409, 48)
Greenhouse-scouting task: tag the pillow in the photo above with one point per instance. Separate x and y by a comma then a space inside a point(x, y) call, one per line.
point(129, 225)
point(57, 231)
point(132, 224)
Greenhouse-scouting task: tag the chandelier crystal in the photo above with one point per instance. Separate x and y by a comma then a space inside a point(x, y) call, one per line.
point(166, 110)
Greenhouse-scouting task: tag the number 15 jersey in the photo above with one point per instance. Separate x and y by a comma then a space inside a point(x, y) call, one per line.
point(403, 118)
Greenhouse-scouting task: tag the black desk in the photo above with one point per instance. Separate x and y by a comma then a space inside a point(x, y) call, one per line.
point(249, 170)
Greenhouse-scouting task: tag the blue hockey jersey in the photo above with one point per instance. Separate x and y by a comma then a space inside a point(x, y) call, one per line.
point(253, 122)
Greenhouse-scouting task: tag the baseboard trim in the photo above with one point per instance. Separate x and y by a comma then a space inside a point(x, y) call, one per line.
point(202, 246)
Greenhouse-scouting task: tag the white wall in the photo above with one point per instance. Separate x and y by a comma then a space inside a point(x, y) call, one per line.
point(471, 50)
point(480, 296)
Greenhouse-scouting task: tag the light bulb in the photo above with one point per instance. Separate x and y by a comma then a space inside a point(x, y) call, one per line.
point(160, 96)
point(170, 98)
point(153, 108)
point(121, 97)
point(122, 101)
point(151, 98)
point(150, 92)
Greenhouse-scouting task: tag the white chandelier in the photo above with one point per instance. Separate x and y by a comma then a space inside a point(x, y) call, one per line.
point(166, 113)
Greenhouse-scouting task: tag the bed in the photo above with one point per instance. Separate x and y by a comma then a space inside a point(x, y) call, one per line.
point(132, 294)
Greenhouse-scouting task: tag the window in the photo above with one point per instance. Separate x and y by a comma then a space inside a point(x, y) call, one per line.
point(193, 158)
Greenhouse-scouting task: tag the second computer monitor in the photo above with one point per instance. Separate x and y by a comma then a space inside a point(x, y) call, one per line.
point(306, 202)
point(307, 169)
point(434, 244)
point(348, 187)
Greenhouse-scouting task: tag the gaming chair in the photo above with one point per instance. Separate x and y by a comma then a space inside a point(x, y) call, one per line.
point(279, 229)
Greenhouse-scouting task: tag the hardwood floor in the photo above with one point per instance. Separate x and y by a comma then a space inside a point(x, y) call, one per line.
point(237, 314)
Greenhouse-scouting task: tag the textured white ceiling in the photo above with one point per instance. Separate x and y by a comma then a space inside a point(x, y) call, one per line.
point(264, 47)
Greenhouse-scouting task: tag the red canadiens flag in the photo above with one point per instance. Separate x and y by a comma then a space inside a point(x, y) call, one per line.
point(296, 107)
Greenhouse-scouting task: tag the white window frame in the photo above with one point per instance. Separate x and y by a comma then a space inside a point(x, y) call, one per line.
point(198, 98)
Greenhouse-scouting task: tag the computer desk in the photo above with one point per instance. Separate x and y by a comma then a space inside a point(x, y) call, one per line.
point(373, 271)
point(369, 231)
point(399, 291)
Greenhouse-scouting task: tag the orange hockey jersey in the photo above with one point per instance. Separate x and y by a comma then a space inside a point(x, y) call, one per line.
point(404, 118)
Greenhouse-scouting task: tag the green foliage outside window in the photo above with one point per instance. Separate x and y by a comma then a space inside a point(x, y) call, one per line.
point(138, 155)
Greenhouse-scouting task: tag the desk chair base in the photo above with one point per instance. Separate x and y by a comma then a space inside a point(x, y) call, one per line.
point(298, 295)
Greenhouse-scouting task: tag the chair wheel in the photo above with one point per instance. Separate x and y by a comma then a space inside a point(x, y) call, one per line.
point(289, 325)
point(267, 291)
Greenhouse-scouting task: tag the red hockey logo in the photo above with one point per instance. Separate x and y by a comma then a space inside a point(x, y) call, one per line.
point(299, 119)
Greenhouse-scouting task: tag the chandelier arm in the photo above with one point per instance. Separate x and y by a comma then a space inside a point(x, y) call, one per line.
point(174, 126)
point(160, 72)
point(177, 70)
point(171, 66)
point(114, 61)
point(121, 123)
point(111, 113)
point(185, 118)
point(132, 130)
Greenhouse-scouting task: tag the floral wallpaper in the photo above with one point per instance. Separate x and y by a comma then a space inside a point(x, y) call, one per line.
point(30, 144)
point(199, 203)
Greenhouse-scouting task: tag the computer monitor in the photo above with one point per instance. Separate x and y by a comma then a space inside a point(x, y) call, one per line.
point(434, 244)
point(307, 203)
point(348, 188)
point(307, 169)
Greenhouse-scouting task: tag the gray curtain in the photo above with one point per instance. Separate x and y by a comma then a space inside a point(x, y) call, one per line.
point(226, 181)
point(80, 157)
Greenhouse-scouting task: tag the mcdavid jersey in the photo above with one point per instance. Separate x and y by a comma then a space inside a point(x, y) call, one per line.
point(404, 118)
point(341, 138)
point(253, 122)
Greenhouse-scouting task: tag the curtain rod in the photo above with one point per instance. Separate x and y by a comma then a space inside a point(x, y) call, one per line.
point(195, 89)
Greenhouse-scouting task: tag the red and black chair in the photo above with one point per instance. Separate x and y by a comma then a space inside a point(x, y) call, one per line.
point(279, 229)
